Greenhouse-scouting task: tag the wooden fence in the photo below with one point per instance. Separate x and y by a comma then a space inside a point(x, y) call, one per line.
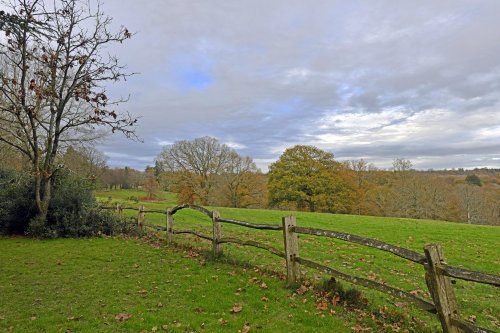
point(437, 271)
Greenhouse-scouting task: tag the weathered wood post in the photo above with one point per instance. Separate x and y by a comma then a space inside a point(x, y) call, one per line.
point(291, 249)
point(441, 289)
point(217, 234)
point(119, 210)
point(170, 226)
point(140, 217)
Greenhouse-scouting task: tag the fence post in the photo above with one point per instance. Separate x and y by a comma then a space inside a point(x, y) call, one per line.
point(441, 289)
point(217, 234)
point(291, 249)
point(119, 210)
point(140, 217)
point(170, 226)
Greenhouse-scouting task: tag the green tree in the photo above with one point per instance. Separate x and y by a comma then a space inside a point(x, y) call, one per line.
point(310, 178)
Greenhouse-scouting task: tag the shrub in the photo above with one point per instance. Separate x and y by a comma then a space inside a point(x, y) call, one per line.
point(73, 211)
point(16, 206)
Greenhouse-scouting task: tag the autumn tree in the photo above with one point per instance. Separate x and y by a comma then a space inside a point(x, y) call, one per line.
point(310, 178)
point(363, 182)
point(125, 178)
point(150, 183)
point(196, 163)
point(85, 161)
point(54, 69)
point(241, 184)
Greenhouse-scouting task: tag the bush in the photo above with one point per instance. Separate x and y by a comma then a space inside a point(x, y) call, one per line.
point(17, 207)
point(73, 211)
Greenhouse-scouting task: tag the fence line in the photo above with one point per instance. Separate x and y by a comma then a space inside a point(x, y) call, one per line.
point(437, 271)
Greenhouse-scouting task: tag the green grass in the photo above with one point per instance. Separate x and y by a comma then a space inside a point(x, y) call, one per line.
point(81, 285)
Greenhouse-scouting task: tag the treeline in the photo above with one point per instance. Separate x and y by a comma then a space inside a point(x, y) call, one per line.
point(204, 171)
point(307, 178)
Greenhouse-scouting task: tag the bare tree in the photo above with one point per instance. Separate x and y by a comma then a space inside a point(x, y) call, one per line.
point(197, 163)
point(54, 71)
point(85, 161)
point(241, 184)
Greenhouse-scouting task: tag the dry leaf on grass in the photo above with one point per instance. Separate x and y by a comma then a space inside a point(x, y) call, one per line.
point(322, 306)
point(301, 290)
point(245, 329)
point(123, 316)
point(236, 309)
point(359, 328)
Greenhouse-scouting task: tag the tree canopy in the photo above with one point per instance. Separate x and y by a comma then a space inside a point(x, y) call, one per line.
point(208, 171)
point(309, 177)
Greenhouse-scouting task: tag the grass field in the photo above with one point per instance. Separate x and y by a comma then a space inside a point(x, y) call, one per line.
point(72, 285)
point(81, 285)
point(468, 246)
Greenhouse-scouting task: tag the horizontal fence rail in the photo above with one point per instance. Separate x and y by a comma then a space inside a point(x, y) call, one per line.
point(252, 225)
point(192, 232)
point(254, 244)
point(401, 252)
point(464, 274)
point(469, 327)
point(198, 208)
point(422, 303)
point(437, 271)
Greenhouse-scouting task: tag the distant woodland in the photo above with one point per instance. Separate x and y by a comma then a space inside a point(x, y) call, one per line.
point(304, 178)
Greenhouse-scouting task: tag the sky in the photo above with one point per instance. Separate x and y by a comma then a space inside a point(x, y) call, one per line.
point(369, 79)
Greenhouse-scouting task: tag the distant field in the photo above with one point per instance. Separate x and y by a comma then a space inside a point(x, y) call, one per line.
point(468, 246)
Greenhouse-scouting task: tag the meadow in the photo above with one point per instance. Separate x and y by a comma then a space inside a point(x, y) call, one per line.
point(84, 285)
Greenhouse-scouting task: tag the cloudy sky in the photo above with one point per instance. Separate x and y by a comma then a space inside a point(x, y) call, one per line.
point(363, 79)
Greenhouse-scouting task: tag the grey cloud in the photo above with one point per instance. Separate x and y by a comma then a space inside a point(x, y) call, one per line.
point(406, 56)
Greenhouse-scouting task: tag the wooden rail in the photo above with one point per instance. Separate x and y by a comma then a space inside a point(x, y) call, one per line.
point(254, 244)
point(198, 208)
point(469, 327)
point(192, 232)
point(437, 271)
point(401, 252)
point(422, 303)
point(464, 274)
point(252, 225)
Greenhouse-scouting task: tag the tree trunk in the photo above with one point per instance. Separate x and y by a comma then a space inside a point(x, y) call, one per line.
point(43, 195)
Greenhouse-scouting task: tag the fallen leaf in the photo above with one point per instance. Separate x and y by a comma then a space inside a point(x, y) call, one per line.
point(245, 329)
point(264, 299)
point(236, 309)
point(263, 285)
point(301, 290)
point(322, 306)
point(122, 316)
point(359, 328)
point(233, 273)
point(223, 321)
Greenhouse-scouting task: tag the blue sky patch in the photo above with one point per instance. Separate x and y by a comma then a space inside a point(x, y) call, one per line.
point(193, 79)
